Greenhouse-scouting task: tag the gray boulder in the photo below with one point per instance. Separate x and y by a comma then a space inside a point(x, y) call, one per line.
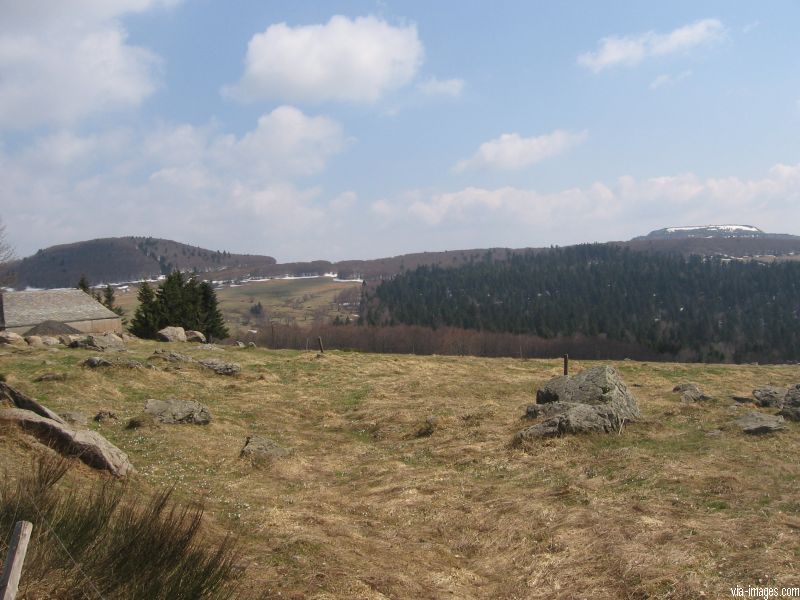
point(691, 392)
point(594, 400)
point(99, 341)
point(171, 334)
point(258, 447)
point(221, 367)
point(195, 336)
point(791, 404)
point(20, 400)
point(770, 396)
point(49, 340)
point(756, 423)
point(178, 411)
point(105, 415)
point(171, 356)
point(95, 362)
point(34, 340)
point(50, 377)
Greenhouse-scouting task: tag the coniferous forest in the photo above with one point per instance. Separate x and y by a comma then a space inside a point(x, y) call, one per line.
point(691, 308)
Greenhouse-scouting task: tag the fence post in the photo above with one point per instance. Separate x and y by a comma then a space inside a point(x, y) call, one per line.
point(566, 364)
point(12, 571)
point(321, 347)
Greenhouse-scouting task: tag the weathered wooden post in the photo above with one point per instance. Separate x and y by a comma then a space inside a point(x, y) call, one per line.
point(566, 364)
point(321, 347)
point(12, 571)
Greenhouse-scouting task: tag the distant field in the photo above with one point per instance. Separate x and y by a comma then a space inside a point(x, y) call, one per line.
point(680, 505)
point(284, 301)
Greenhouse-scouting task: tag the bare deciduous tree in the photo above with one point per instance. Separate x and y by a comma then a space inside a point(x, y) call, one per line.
point(6, 251)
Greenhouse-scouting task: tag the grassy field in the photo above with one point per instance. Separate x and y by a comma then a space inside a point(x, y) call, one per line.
point(284, 301)
point(679, 505)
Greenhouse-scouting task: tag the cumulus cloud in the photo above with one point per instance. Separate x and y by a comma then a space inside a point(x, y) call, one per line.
point(61, 62)
point(184, 182)
point(628, 51)
point(442, 87)
point(598, 212)
point(511, 151)
point(351, 60)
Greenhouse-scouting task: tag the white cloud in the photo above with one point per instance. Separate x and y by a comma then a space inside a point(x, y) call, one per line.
point(630, 51)
point(667, 79)
point(352, 60)
point(61, 62)
point(183, 182)
point(512, 152)
point(442, 87)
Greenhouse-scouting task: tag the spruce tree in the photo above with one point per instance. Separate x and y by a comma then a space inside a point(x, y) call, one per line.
point(83, 284)
point(213, 324)
point(147, 319)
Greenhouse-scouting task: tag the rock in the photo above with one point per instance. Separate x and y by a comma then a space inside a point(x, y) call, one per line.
point(220, 367)
point(574, 418)
point(212, 347)
point(89, 446)
point(128, 337)
point(770, 396)
point(756, 423)
point(129, 364)
point(171, 334)
point(105, 415)
point(238, 344)
point(691, 392)
point(74, 418)
point(143, 420)
point(791, 404)
point(95, 362)
point(50, 377)
point(99, 341)
point(430, 426)
point(24, 402)
point(258, 447)
point(8, 338)
point(742, 399)
point(594, 400)
point(34, 340)
point(67, 338)
point(178, 411)
point(170, 356)
point(251, 345)
point(195, 336)
point(49, 340)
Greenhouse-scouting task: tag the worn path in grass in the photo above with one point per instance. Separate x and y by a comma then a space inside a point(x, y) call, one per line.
point(680, 505)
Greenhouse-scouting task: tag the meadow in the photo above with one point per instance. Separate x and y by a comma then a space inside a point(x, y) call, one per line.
point(367, 505)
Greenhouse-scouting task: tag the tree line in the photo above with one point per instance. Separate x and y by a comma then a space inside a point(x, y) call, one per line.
point(692, 308)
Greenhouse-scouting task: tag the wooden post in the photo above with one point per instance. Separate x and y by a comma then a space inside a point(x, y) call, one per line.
point(321, 347)
point(566, 364)
point(12, 570)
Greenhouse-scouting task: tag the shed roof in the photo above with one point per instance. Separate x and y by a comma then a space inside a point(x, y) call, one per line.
point(21, 309)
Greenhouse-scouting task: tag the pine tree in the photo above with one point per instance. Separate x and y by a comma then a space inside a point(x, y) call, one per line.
point(213, 324)
point(109, 301)
point(147, 319)
point(83, 284)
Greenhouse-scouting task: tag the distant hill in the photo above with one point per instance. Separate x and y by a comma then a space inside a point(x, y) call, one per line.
point(110, 260)
point(705, 231)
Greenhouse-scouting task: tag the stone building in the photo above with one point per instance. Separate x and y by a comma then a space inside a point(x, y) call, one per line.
point(22, 311)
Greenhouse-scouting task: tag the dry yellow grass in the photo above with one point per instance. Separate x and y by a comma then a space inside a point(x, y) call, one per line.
point(680, 505)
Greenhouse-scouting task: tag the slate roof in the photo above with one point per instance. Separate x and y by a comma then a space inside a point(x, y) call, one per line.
point(21, 309)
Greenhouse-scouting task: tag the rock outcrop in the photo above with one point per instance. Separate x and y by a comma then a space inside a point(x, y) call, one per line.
point(756, 423)
point(261, 448)
point(49, 428)
point(770, 396)
point(691, 392)
point(791, 404)
point(220, 367)
point(178, 411)
point(8, 338)
point(594, 400)
point(195, 336)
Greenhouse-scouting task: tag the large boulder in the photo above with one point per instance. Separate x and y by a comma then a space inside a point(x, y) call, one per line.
point(594, 400)
point(756, 423)
point(171, 334)
point(9, 338)
point(34, 340)
point(195, 336)
point(770, 396)
point(791, 404)
point(178, 411)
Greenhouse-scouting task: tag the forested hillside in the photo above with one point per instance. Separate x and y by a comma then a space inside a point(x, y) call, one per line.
point(693, 308)
point(109, 260)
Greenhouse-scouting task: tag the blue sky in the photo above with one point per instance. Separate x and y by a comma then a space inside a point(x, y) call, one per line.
point(365, 129)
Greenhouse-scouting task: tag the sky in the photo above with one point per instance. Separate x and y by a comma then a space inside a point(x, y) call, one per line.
point(364, 129)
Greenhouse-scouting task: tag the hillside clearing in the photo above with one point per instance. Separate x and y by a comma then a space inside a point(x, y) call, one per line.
point(680, 505)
